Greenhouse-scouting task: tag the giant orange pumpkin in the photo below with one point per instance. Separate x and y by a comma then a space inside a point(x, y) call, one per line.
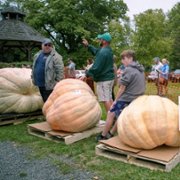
point(148, 122)
point(17, 93)
point(72, 107)
point(62, 87)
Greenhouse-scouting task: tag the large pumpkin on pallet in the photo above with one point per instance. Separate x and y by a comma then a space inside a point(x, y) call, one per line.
point(148, 122)
point(17, 92)
point(72, 107)
point(67, 85)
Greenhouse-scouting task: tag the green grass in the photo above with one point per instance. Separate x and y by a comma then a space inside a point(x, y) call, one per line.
point(173, 90)
point(82, 153)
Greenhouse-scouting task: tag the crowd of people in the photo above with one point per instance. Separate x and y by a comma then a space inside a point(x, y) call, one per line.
point(48, 69)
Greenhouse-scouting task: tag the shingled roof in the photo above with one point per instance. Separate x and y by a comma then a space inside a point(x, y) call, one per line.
point(12, 27)
point(16, 30)
point(15, 33)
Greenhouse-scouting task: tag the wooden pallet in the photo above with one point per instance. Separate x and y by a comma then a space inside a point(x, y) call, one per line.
point(43, 130)
point(162, 158)
point(14, 118)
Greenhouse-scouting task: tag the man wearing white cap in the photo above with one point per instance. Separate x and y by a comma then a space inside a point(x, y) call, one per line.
point(48, 69)
point(102, 70)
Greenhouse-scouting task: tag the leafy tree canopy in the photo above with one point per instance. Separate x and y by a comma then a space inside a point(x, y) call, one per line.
point(173, 29)
point(150, 38)
point(68, 21)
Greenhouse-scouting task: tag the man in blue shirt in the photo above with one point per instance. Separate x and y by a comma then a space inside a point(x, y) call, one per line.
point(48, 69)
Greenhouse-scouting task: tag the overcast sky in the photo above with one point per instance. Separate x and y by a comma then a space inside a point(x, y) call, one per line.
point(139, 6)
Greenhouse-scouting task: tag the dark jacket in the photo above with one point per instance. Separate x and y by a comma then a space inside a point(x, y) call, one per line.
point(102, 68)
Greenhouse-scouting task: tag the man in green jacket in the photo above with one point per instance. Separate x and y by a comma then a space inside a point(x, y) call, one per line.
point(48, 69)
point(102, 70)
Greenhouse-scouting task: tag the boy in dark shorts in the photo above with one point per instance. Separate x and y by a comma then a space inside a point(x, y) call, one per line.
point(132, 85)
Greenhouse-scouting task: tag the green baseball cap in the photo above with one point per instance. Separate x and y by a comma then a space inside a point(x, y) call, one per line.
point(106, 36)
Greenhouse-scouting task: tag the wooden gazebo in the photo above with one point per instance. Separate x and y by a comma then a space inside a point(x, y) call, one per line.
point(16, 34)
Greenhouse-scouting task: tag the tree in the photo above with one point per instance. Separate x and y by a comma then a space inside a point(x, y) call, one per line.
point(120, 32)
point(68, 21)
point(150, 38)
point(173, 31)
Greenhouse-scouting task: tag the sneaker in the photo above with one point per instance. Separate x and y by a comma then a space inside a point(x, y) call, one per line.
point(100, 137)
point(109, 135)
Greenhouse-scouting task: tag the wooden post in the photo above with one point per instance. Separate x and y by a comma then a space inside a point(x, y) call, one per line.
point(26, 48)
point(29, 54)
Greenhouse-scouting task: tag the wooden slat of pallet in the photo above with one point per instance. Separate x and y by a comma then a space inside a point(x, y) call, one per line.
point(163, 164)
point(115, 142)
point(39, 129)
point(46, 132)
point(10, 116)
point(18, 121)
point(109, 152)
point(161, 158)
point(42, 126)
point(14, 118)
point(85, 134)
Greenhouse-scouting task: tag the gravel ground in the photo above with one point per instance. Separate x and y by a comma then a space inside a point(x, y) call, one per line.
point(17, 164)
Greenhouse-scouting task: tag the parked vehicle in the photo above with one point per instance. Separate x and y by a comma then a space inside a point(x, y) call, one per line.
point(175, 76)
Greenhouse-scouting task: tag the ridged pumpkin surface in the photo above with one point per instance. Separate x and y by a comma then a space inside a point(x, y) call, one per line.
point(64, 86)
point(17, 92)
point(75, 109)
point(148, 122)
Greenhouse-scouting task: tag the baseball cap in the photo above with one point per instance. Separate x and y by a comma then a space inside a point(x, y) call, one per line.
point(46, 41)
point(156, 59)
point(106, 36)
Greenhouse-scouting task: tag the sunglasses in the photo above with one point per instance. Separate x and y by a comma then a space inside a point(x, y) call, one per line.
point(48, 45)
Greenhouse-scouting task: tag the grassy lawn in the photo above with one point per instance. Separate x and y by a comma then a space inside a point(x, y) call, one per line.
point(83, 152)
point(173, 90)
